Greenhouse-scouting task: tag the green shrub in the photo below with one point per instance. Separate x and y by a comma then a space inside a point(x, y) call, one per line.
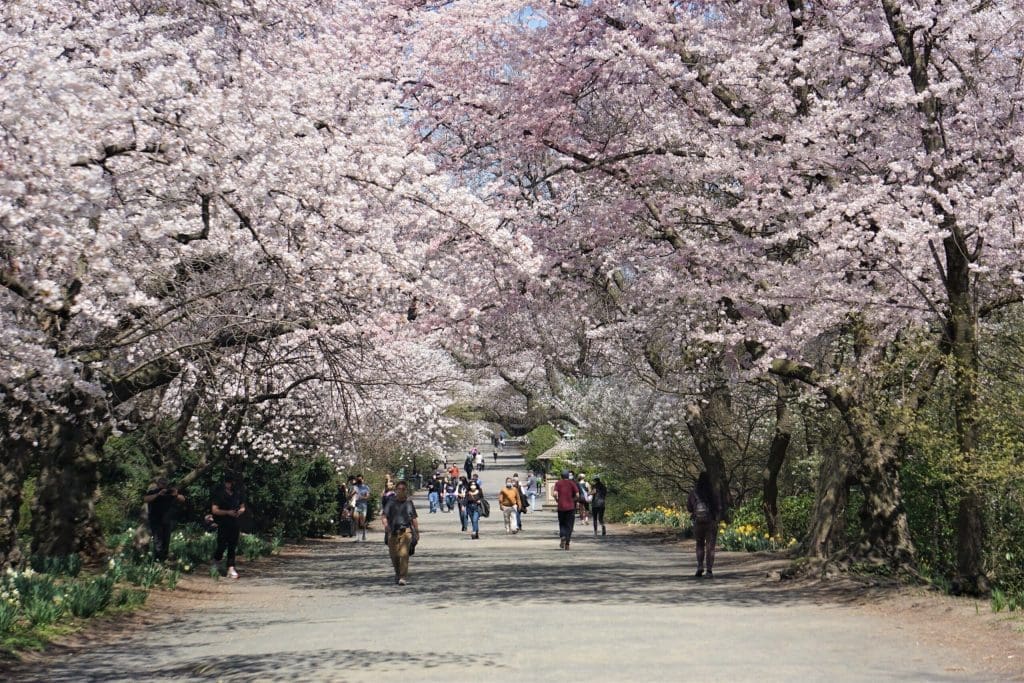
point(41, 611)
point(252, 547)
point(9, 614)
point(145, 574)
point(69, 565)
point(131, 597)
point(191, 548)
point(541, 439)
point(85, 598)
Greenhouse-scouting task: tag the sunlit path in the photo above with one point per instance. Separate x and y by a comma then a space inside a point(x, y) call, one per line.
point(621, 608)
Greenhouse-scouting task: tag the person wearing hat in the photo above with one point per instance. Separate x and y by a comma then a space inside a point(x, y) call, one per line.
point(228, 506)
point(160, 499)
point(566, 495)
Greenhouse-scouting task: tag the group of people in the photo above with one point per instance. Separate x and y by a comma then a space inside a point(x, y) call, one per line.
point(226, 508)
point(354, 506)
point(575, 497)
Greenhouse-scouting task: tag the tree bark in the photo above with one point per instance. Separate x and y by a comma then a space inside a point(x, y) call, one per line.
point(962, 340)
point(33, 430)
point(63, 515)
point(776, 457)
point(827, 533)
point(710, 454)
point(883, 518)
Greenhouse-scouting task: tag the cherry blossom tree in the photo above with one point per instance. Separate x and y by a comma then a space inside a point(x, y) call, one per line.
point(192, 192)
point(771, 177)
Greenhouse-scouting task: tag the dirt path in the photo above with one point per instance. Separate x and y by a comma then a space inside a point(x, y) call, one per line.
point(620, 608)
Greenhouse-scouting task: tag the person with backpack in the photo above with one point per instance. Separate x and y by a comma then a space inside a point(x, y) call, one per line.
point(705, 509)
point(401, 529)
point(597, 504)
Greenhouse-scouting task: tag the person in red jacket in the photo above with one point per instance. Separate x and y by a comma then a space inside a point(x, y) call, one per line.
point(566, 494)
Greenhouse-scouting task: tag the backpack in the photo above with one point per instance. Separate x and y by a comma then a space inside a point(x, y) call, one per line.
point(701, 511)
point(485, 508)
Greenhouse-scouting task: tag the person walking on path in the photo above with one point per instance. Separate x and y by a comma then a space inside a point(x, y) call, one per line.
point(705, 508)
point(361, 506)
point(228, 506)
point(532, 489)
point(478, 459)
point(523, 502)
point(460, 499)
point(434, 493)
point(473, 507)
point(401, 528)
point(467, 466)
point(584, 502)
point(160, 499)
point(510, 502)
point(450, 487)
point(566, 493)
point(599, 495)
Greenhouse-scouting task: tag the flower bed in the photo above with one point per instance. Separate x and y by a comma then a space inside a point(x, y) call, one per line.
point(659, 515)
point(749, 538)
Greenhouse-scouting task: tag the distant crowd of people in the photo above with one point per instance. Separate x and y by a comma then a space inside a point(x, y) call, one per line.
point(448, 490)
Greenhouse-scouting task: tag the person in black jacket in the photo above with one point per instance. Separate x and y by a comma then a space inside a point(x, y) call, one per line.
point(705, 509)
point(599, 497)
point(160, 498)
point(228, 506)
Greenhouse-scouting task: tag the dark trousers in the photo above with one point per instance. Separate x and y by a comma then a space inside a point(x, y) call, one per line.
point(566, 521)
point(227, 539)
point(598, 514)
point(706, 534)
point(161, 530)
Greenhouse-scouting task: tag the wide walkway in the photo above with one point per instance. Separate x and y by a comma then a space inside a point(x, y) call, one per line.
point(623, 608)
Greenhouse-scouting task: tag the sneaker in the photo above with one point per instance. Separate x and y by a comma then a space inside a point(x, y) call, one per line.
point(232, 574)
point(567, 545)
point(561, 543)
point(710, 575)
point(401, 582)
point(604, 532)
point(700, 572)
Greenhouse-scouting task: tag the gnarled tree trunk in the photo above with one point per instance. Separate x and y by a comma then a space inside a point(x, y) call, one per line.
point(827, 533)
point(883, 516)
point(63, 515)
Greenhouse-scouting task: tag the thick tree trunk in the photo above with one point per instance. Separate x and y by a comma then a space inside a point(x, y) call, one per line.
point(63, 515)
point(883, 518)
point(12, 479)
point(962, 338)
point(827, 533)
point(19, 442)
point(710, 455)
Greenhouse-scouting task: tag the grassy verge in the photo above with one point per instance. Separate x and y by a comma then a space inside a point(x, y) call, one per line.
point(54, 597)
